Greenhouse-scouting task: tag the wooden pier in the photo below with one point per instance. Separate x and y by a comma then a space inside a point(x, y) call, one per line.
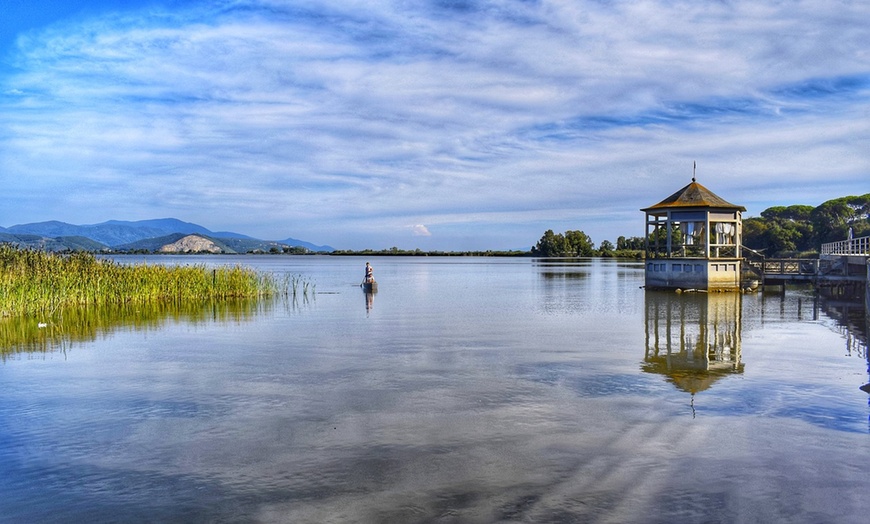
point(839, 263)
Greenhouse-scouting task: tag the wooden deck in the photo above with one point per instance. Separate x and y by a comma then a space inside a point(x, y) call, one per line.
point(838, 262)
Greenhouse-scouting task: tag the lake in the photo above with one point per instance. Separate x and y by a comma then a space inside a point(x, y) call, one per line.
point(465, 390)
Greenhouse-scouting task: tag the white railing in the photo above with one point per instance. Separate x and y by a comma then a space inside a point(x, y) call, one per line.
point(854, 246)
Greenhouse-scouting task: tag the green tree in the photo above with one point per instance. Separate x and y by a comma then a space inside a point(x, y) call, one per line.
point(635, 243)
point(569, 244)
point(780, 231)
point(786, 230)
point(832, 220)
point(754, 231)
point(798, 213)
point(550, 245)
point(781, 239)
point(578, 244)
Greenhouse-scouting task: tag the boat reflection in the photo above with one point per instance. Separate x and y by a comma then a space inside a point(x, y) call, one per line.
point(370, 300)
point(692, 338)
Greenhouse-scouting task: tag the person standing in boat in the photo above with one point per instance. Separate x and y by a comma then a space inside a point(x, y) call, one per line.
point(370, 274)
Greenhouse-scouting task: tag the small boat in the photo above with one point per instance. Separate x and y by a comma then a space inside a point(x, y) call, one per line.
point(370, 287)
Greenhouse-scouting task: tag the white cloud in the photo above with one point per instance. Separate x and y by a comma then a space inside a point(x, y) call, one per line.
point(331, 121)
point(420, 230)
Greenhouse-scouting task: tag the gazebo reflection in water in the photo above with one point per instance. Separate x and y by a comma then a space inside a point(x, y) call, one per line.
point(692, 338)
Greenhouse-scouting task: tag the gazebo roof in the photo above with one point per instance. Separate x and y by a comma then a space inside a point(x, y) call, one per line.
point(690, 377)
point(693, 195)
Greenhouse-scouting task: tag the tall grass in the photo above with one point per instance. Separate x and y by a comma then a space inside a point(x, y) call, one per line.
point(36, 282)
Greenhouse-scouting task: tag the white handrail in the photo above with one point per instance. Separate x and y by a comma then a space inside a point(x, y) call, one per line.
point(854, 246)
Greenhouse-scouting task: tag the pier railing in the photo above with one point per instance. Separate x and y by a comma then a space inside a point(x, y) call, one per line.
point(853, 246)
point(836, 264)
point(791, 266)
point(780, 268)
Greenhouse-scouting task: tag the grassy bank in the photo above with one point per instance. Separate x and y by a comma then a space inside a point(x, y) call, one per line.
point(36, 282)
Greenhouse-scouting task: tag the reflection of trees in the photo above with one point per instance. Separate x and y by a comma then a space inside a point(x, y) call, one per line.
point(693, 339)
point(81, 324)
point(563, 269)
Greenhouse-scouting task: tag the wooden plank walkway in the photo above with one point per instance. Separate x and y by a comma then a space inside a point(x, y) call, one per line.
point(843, 261)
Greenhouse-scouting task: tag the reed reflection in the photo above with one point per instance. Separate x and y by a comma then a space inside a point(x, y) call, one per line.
point(83, 324)
point(693, 339)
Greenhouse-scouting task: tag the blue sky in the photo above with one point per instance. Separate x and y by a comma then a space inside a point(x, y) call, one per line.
point(432, 124)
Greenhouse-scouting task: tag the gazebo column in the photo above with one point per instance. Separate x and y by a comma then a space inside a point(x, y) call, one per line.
point(707, 234)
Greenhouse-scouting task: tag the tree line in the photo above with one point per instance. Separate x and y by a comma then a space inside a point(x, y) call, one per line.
point(798, 229)
point(780, 231)
point(579, 244)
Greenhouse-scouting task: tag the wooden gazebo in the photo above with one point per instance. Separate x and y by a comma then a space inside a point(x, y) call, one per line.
point(693, 241)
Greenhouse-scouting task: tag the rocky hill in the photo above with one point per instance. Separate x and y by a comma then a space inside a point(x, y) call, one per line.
point(191, 244)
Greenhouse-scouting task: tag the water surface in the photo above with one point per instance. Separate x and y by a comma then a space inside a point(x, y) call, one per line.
point(464, 390)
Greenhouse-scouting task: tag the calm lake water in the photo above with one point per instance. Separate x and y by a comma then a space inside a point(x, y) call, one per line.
point(465, 390)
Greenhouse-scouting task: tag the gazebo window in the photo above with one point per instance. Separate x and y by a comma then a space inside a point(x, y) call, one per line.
point(723, 239)
point(658, 236)
point(694, 241)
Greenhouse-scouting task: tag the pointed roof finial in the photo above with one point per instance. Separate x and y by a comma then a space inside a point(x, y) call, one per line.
point(694, 167)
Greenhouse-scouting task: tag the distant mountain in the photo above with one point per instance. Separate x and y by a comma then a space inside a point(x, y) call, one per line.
point(62, 243)
point(182, 242)
point(76, 243)
point(114, 232)
point(169, 225)
point(301, 243)
point(247, 245)
point(141, 235)
point(228, 234)
point(52, 228)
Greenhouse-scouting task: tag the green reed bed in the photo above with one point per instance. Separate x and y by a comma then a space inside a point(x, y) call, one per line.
point(36, 282)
